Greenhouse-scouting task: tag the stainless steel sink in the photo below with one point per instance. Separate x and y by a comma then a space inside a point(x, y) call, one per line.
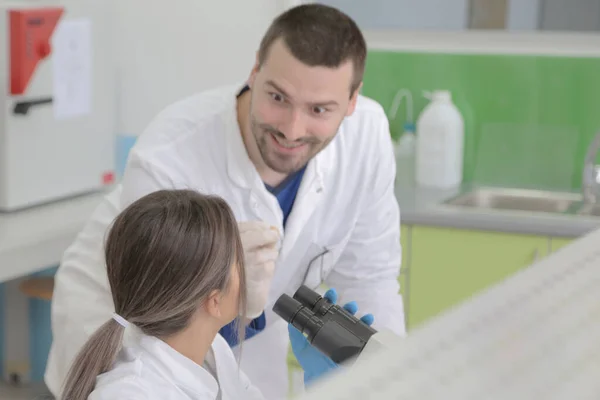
point(517, 200)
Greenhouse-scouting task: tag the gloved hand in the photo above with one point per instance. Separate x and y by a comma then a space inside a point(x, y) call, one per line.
point(313, 362)
point(259, 240)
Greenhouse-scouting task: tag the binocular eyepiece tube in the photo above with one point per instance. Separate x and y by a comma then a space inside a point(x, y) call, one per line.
point(329, 328)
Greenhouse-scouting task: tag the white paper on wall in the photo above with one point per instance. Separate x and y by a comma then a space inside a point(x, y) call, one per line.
point(72, 68)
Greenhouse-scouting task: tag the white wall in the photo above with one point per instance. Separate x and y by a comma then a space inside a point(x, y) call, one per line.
point(523, 15)
point(406, 14)
point(166, 51)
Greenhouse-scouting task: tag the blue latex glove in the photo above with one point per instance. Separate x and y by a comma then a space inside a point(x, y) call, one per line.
point(313, 362)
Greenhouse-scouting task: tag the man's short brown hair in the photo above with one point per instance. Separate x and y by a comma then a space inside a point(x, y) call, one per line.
point(318, 35)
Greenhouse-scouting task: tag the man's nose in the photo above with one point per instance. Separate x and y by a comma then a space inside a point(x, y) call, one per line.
point(295, 127)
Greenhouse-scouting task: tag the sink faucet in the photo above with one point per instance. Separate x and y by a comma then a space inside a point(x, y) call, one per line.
point(591, 172)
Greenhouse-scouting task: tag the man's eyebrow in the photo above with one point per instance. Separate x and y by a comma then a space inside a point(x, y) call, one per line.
point(316, 104)
point(326, 103)
point(277, 87)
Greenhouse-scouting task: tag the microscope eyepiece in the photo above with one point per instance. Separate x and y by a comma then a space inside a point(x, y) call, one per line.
point(287, 308)
point(298, 315)
point(307, 297)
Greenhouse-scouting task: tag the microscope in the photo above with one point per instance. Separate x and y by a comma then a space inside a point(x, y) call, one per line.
point(329, 328)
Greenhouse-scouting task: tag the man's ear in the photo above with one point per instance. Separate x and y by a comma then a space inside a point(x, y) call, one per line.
point(353, 100)
point(212, 304)
point(254, 71)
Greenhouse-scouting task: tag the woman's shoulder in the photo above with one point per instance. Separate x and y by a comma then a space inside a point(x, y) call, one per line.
point(231, 378)
point(130, 382)
point(130, 387)
point(125, 380)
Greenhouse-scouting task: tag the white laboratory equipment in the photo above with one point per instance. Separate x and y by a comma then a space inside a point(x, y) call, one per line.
point(440, 143)
point(57, 101)
point(535, 335)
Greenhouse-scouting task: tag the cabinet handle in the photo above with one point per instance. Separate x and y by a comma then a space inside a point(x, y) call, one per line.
point(23, 107)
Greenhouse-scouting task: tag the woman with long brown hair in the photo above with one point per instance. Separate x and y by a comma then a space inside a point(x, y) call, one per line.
point(175, 267)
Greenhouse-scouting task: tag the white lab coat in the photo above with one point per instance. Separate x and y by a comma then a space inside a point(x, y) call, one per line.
point(344, 228)
point(149, 369)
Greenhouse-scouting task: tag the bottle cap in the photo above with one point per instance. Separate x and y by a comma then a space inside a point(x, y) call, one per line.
point(409, 127)
point(443, 95)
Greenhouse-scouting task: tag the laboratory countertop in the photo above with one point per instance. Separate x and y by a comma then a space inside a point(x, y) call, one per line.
point(424, 206)
point(35, 239)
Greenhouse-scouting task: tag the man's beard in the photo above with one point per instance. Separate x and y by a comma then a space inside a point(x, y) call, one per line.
point(283, 163)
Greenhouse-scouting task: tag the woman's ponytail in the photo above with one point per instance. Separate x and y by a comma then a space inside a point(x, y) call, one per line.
point(95, 358)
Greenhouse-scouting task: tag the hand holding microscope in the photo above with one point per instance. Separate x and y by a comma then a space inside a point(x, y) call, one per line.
point(329, 328)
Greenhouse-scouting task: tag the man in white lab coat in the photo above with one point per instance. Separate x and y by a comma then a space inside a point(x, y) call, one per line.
point(295, 147)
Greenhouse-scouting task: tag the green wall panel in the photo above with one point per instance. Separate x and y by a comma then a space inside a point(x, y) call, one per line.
point(528, 119)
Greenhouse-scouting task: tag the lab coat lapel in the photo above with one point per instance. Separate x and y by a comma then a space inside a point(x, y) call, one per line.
point(307, 199)
point(310, 195)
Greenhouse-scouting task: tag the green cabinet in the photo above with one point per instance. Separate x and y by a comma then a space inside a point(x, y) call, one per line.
point(557, 243)
point(405, 242)
point(403, 280)
point(447, 266)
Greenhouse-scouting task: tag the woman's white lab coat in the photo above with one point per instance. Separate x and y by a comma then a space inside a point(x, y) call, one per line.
point(344, 228)
point(150, 369)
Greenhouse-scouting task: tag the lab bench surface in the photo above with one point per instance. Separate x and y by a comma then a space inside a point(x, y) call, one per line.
point(34, 239)
point(424, 206)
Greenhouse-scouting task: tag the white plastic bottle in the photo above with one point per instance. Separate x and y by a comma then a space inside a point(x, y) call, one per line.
point(440, 143)
point(405, 156)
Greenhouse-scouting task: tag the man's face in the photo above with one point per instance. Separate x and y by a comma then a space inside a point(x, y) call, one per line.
point(296, 109)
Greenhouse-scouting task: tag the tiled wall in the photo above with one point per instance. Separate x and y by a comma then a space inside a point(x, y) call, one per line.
point(528, 119)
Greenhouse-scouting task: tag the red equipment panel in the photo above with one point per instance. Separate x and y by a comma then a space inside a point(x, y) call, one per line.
point(30, 33)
